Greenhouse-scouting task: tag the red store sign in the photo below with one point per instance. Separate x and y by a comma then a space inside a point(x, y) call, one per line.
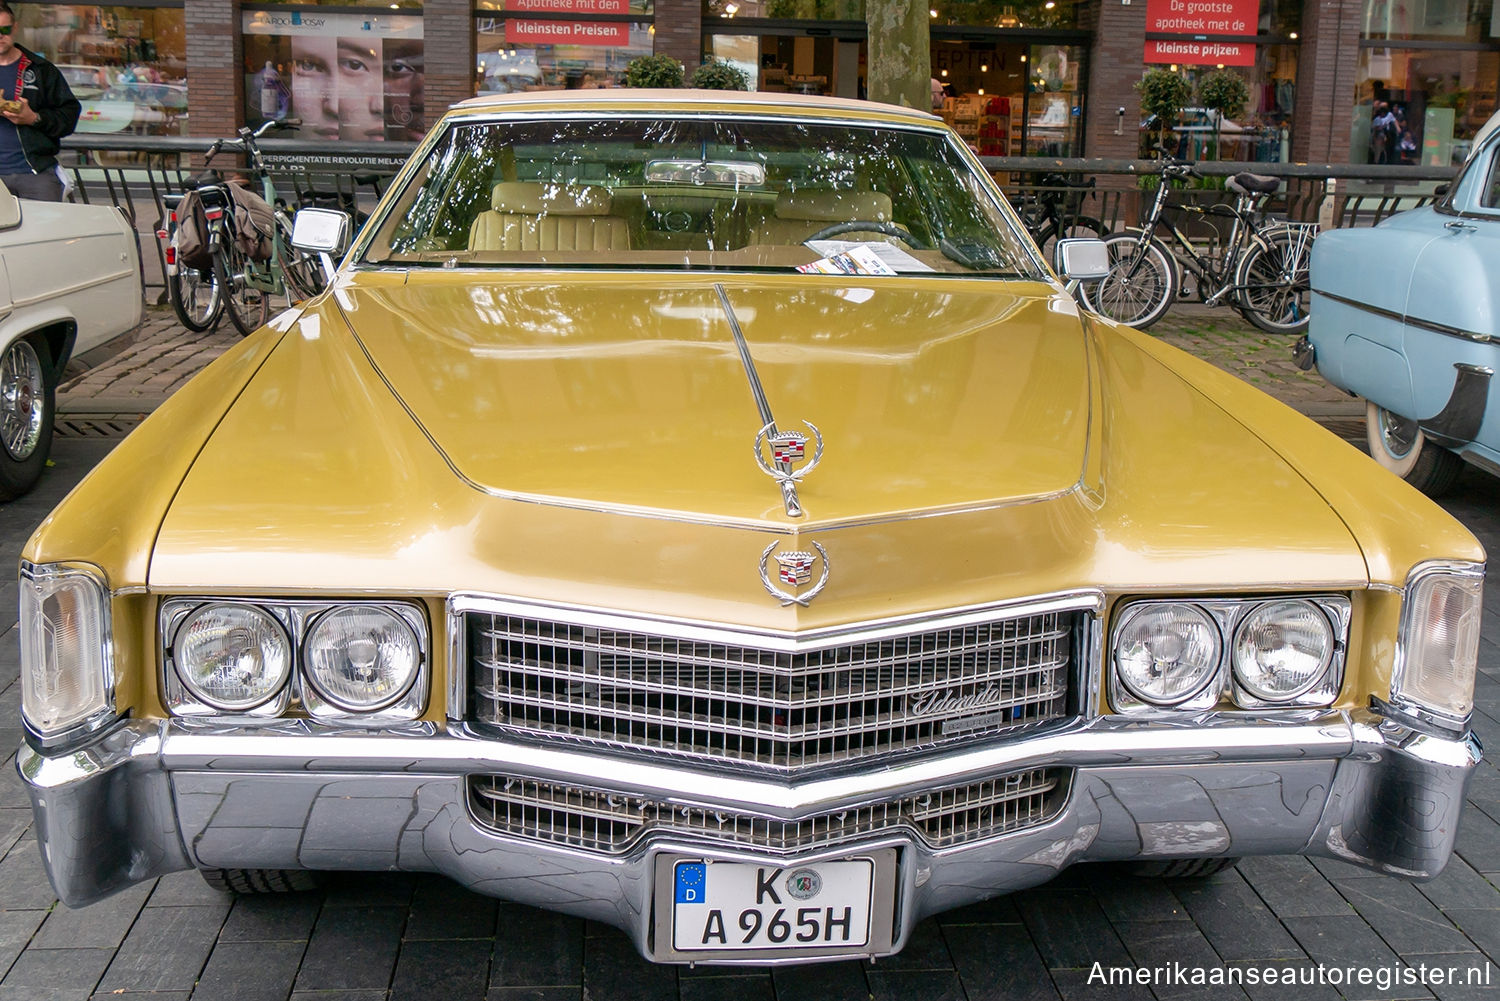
point(566, 33)
point(1202, 17)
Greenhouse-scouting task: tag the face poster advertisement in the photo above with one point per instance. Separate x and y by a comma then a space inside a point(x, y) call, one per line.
point(346, 76)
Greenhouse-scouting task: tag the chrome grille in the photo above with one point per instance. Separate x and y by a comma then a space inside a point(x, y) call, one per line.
point(610, 822)
point(767, 707)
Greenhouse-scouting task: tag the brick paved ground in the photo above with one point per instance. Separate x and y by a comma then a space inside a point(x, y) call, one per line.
point(390, 937)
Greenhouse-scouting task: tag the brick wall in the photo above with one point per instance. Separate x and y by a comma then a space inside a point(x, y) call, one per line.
point(679, 32)
point(1115, 64)
point(448, 52)
point(1327, 67)
point(216, 82)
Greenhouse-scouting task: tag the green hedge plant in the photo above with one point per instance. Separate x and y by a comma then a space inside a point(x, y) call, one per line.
point(653, 71)
point(717, 74)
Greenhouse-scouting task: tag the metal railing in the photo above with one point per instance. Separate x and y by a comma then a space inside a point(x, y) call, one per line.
point(135, 172)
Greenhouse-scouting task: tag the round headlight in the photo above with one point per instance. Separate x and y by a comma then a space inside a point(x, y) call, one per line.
point(1165, 654)
point(362, 658)
point(1282, 649)
point(232, 657)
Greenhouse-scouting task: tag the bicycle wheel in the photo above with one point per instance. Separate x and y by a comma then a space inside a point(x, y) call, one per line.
point(1139, 289)
point(195, 298)
point(1076, 228)
point(248, 307)
point(1275, 291)
point(302, 271)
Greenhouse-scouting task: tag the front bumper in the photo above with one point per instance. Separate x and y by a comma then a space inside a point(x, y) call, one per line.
point(154, 797)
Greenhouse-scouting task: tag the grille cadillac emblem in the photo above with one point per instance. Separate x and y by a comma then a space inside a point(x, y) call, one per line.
point(787, 449)
point(795, 569)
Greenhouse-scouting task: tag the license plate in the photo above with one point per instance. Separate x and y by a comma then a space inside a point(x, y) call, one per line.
point(736, 906)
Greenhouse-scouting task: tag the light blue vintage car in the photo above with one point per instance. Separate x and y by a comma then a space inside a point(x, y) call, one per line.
point(1407, 315)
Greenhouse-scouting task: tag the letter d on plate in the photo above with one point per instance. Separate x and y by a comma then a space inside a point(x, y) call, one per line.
point(690, 882)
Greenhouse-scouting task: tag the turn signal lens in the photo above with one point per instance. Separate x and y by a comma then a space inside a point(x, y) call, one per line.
point(66, 668)
point(1165, 654)
point(361, 658)
point(232, 656)
point(1439, 648)
point(1282, 649)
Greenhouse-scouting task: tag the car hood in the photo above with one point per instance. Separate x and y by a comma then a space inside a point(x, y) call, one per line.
point(585, 438)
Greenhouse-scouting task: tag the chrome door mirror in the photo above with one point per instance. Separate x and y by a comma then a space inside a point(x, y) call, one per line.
point(321, 231)
point(1082, 260)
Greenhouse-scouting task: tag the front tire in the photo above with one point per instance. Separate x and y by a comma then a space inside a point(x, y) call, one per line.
point(1183, 868)
point(28, 401)
point(1136, 292)
point(1398, 444)
point(260, 881)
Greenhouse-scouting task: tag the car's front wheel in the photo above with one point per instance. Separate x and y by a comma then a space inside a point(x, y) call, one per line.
point(1398, 444)
point(256, 881)
point(27, 400)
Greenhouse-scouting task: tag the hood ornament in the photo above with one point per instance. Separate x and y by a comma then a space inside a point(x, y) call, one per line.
point(787, 448)
point(796, 569)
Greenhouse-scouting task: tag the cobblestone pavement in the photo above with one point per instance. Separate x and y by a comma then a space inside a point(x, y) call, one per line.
point(388, 937)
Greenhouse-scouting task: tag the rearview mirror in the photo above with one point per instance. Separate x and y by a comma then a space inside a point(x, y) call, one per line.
point(737, 173)
point(1082, 260)
point(321, 231)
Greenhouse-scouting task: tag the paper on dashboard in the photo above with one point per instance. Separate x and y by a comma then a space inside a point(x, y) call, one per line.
point(891, 255)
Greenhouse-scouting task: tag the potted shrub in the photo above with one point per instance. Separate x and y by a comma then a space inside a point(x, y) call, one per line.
point(717, 74)
point(1163, 95)
point(653, 71)
point(1224, 93)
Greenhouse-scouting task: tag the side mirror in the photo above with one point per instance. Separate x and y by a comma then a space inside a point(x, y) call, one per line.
point(321, 231)
point(1082, 260)
point(1440, 190)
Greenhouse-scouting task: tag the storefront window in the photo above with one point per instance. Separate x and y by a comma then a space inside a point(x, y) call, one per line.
point(1010, 98)
point(347, 76)
point(796, 64)
point(1434, 20)
point(525, 54)
point(127, 65)
point(793, 10)
point(1421, 105)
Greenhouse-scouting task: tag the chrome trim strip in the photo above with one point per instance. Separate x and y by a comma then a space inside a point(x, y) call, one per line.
point(781, 641)
point(291, 745)
point(789, 498)
point(1407, 318)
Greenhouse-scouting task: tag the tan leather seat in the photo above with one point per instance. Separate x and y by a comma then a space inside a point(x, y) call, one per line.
point(531, 215)
point(799, 214)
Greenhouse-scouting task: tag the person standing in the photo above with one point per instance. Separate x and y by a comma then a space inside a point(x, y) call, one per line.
point(37, 108)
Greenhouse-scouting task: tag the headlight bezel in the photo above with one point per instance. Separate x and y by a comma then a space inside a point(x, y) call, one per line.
point(295, 616)
point(1401, 668)
point(1228, 614)
point(407, 704)
point(103, 712)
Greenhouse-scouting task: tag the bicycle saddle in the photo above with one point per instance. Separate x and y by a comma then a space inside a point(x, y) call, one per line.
point(1252, 184)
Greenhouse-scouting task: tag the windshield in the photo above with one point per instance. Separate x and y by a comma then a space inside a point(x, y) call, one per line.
point(690, 194)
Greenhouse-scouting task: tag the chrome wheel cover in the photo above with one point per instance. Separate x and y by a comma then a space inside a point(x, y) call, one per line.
point(1398, 434)
point(22, 400)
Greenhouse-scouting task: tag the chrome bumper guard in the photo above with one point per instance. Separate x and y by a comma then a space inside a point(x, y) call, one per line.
point(149, 798)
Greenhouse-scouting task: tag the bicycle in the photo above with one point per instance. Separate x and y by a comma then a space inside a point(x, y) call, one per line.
point(1050, 212)
point(235, 282)
point(1262, 271)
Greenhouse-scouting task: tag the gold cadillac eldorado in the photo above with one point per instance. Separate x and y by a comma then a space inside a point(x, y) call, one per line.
point(709, 515)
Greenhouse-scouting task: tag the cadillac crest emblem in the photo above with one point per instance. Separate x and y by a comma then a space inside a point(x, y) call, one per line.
point(796, 570)
point(787, 449)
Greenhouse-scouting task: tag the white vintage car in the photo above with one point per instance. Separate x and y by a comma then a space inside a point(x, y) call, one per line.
point(69, 282)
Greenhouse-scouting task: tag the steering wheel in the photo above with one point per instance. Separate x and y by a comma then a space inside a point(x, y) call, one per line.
point(869, 226)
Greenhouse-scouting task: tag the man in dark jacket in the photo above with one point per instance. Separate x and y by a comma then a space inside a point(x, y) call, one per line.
point(37, 108)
